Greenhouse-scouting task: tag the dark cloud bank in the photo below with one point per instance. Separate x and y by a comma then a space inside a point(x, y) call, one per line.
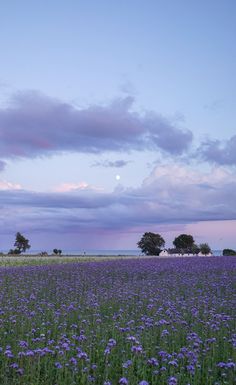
point(34, 125)
point(2, 165)
point(162, 199)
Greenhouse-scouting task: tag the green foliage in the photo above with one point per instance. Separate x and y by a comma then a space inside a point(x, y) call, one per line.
point(229, 252)
point(151, 243)
point(21, 244)
point(57, 251)
point(14, 252)
point(184, 243)
point(205, 248)
point(195, 249)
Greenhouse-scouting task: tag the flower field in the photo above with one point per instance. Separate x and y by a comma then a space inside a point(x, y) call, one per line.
point(136, 321)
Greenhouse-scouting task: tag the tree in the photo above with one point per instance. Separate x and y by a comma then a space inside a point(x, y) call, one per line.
point(151, 243)
point(13, 252)
point(21, 244)
point(195, 249)
point(229, 252)
point(57, 251)
point(184, 243)
point(43, 254)
point(205, 248)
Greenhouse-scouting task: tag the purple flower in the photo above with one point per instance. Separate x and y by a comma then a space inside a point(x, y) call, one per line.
point(107, 351)
point(127, 364)
point(191, 369)
point(8, 353)
point(163, 369)
point(227, 365)
point(164, 333)
point(73, 361)
point(230, 365)
point(173, 363)
point(20, 371)
point(23, 344)
point(132, 339)
point(14, 365)
point(172, 381)
point(221, 364)
point(123, 381)
point(152, 361)
point(143, 382)
point(137, 349)
point(58, 365)
point(111, 343)
point(82, 356)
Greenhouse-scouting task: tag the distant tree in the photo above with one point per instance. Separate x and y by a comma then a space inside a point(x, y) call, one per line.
point(151, 243)
point(184, 243)
point(57, 251)
point(13, 252)
point(43, 254)
point(21, 244)
point(205, 248)
point(229, 252)
point(195, 249)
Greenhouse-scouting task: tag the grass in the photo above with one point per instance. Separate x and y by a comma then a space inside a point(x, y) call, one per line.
point(37, 260)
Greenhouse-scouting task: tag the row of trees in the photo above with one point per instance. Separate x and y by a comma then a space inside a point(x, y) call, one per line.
point(229, 252)
point(152, 244)
point(22, 245)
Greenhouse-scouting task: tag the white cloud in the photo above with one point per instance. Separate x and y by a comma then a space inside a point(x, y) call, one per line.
point(70, 187)
point(4, 185)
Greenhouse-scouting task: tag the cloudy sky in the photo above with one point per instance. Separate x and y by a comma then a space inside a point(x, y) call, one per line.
point(116, 118)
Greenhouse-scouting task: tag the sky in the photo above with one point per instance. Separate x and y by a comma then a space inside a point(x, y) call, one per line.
point(117, 118)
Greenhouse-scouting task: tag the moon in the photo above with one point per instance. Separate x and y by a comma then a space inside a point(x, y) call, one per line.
point(117, 177)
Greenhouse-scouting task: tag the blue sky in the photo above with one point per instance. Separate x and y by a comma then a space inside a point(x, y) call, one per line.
point(94, 90)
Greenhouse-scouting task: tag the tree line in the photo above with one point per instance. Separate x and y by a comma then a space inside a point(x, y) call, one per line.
point(22, 244)
point(152, 244)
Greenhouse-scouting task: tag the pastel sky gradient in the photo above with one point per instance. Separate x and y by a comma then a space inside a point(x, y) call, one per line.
point(117, 118)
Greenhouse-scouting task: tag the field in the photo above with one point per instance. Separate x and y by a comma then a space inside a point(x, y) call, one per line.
point(36, 260)
point(134, 321)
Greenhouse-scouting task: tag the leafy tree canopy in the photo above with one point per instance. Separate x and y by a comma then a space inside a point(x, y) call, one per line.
point(151, 243)
point(21, 244)
point(229, 252)
point(185, 243)
point(57, 251)
point(205, 248)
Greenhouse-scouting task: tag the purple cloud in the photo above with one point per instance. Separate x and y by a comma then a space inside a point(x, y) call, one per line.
point(35, 125)
point(111, 164)
point(2, 165)
point(170, 195)
point(220, 153)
